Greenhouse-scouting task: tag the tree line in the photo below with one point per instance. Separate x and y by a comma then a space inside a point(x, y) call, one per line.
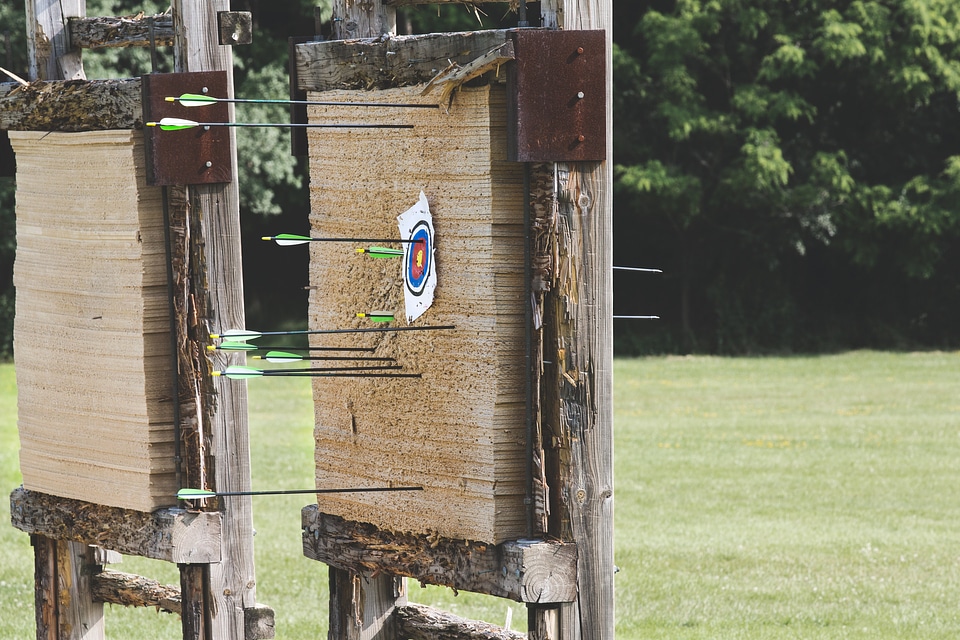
point(794, 168)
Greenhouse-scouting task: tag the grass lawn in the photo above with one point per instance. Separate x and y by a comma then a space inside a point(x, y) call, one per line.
point(808, 497)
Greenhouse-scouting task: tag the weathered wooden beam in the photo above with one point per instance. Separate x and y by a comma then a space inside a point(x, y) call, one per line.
point(524, 570)
point(379, 63)
point(420, 622)
point(173, 535)
point(130, 590)
point(71, 105)
point(132, 31)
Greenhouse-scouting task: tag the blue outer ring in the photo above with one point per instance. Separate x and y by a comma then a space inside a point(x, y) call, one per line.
point(420, 232)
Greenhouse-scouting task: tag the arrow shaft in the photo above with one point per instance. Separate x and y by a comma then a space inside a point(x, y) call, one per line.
point(637, 269)
point(338, 375)
point(256, 334)
point(322, 103)
point(315, 491)
point(305, 239)
point(295, 125)
point(321, 358)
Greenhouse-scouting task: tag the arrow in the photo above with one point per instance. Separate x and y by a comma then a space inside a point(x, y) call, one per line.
point(197, 494)
point(243, 373)
point(286, 356)
point(378, 316)
point(198, 100)
point(382, 252)
point(290, 239)
point(247, 334)
point(243, 346)
point(637, 269)
point(178, 124)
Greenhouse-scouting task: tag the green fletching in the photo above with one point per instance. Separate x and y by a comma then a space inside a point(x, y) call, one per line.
point(194, 494)
point(378, 316)
point(236, 346)
point(384, 252)
point(240, 335)
point(289, 239)
point(195, 100)
point(176, 124)
point(282, 356)
point(237, 372)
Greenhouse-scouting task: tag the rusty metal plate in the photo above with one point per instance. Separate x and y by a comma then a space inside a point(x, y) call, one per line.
point(190, 156)
point(557, 96)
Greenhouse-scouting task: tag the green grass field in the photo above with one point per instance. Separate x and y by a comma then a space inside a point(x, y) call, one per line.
point(806, 497)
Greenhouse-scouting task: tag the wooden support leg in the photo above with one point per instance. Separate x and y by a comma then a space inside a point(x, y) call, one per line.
point(193, 581)
point(362, 608)
point(65, 606)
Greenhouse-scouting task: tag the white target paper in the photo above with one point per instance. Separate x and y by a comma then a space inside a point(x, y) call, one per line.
point(419, 266)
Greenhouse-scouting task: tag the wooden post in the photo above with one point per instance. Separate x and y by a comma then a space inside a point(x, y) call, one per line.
point(49, 52)
point(363, 19)
point(65, 607)
point(214, 215)
point(64, 611)
point(580, 311)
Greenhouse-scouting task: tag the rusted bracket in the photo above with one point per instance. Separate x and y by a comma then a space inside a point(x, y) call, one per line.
point(190, 156)
point(557, 96)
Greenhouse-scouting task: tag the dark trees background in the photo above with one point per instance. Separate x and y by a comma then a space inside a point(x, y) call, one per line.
point(794, 167)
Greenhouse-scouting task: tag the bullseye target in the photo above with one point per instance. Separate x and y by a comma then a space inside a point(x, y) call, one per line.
point(419, 270)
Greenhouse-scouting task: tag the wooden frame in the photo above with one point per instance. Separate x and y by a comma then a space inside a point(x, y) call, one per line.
point(571, 273)
point(571, 212)
point(213, 547)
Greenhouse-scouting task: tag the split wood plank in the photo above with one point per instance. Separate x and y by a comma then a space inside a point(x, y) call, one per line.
point(390, 62)
point(49, 52)
point(132, 31)
point(174, 535)
point(522, 570)
point(71, 105)
point(420, 622)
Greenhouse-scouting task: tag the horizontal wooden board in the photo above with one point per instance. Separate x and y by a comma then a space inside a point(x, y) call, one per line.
point(91, 333)
point(459, 430)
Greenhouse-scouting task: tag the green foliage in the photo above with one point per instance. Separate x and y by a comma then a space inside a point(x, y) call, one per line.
point(758, 144)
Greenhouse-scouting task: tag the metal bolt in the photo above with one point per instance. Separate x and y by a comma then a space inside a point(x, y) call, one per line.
point(579, 50)
point(206, 127)
point(580, 95)
point(208, 164)
point(205, 90)
point(581, 138)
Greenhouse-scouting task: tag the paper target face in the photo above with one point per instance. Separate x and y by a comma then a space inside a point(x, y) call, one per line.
point(418, 259)
point(419, 265)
